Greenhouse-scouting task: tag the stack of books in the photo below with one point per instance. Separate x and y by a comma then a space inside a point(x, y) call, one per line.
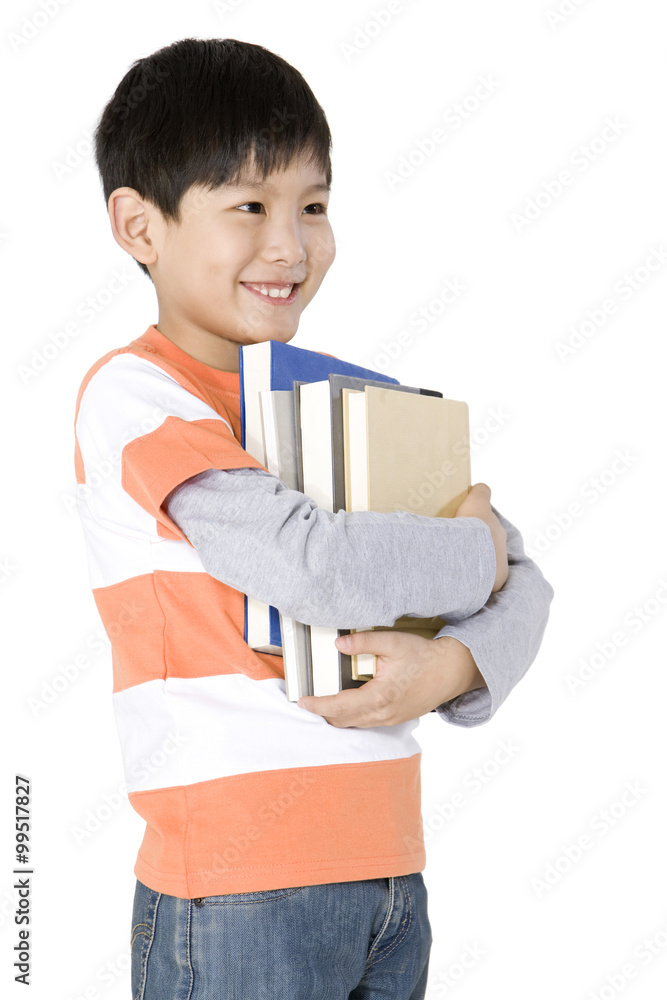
point(354, 439)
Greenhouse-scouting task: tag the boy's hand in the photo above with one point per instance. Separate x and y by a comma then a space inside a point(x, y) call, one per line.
point(413, 676)
point(478, 504)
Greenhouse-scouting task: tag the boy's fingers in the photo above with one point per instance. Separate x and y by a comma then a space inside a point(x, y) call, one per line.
point(368, 641)
point(367, 704)
point(332, 704)
point(345, 708)
point(482, 489)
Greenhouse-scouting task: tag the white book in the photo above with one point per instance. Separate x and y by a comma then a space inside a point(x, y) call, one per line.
point(317, 466)
point(277, 406)
point(356, 475)
point(275, 366)
point(255, 377)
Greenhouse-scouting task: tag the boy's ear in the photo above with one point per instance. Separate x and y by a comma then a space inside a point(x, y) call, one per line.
point(132, 217)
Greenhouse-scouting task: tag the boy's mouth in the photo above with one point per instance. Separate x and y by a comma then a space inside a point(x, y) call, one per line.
point(277, 292)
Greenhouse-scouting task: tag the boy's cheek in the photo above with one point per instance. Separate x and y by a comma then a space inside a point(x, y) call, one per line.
point(324, 252)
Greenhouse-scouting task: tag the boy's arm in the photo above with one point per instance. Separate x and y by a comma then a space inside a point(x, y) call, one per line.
point(349, 570)
point(503, 637)
point(144, 421)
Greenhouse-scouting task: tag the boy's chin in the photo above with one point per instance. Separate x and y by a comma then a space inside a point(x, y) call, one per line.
point(284, 335)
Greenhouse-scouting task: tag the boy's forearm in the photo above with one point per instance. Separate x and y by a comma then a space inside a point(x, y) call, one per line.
point(503, 637)
point(345, 570)
point(461, 673)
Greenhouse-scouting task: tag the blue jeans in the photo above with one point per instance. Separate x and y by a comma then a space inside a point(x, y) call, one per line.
point(365, 940)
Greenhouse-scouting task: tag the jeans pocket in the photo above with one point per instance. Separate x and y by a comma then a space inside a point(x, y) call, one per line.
point(260, 896)
point(143, 931)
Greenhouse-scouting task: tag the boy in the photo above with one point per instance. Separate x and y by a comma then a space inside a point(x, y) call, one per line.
point(284, 849)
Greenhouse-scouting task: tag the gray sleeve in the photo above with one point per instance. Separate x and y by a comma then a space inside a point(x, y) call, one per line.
point(504, 636)
point(343, 570)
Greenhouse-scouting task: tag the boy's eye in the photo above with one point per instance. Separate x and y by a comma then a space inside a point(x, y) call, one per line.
point(254, 204)
point(255, 207)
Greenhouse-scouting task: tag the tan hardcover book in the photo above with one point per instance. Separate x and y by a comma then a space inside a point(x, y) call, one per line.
point(404, 451)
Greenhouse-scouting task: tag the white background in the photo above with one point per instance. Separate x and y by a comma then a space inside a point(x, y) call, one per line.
point(565, 421)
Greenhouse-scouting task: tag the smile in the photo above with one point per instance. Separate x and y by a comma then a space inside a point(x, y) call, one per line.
point(277, 294)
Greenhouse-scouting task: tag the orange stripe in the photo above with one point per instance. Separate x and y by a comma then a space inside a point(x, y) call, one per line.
point(273, 829)
point(211, 398)
point(173, 624)
point(155, 463)
point(79, 471)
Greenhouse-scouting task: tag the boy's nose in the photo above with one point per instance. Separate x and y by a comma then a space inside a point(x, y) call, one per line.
point(285, 242)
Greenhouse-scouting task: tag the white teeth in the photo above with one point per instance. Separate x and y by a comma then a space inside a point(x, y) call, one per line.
point(273, 292)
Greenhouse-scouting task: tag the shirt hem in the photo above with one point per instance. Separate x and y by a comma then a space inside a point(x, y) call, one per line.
point(279, 876)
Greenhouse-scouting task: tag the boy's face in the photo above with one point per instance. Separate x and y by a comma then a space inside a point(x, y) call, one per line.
point(210, 269)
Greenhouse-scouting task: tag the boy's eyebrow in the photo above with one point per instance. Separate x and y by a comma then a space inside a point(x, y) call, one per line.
point(271, 188)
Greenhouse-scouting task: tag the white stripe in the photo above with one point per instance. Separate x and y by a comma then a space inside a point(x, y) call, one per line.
point(184, 730)
point(125, 399)
point(114, 556)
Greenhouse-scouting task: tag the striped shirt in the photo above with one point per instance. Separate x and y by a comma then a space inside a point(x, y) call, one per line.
point(240, 789)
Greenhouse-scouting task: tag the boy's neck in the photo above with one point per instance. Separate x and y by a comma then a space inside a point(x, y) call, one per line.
point(207, 348)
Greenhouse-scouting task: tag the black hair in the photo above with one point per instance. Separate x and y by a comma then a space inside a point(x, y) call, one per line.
point(197, 111)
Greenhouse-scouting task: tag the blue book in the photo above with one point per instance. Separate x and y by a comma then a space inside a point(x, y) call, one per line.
point(275, 365)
